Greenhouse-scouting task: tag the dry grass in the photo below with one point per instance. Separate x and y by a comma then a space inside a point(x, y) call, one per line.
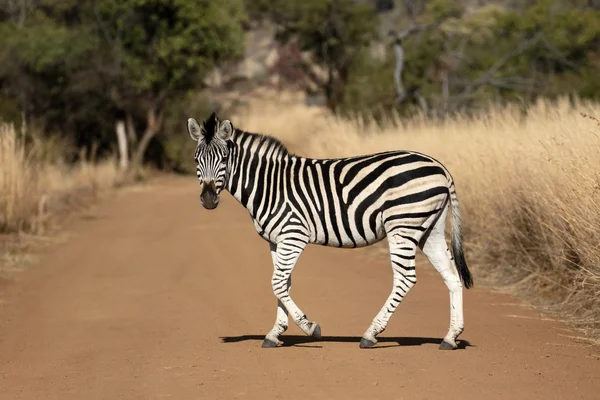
point(529, 189)
point(30, 184)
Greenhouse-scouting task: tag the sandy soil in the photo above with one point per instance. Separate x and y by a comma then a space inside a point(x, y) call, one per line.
point(154, 297)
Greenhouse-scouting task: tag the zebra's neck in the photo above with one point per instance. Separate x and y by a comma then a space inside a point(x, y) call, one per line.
point(256, 165)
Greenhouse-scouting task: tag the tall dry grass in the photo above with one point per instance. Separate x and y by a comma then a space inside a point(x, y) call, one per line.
point(529, 188)
point(30, 182)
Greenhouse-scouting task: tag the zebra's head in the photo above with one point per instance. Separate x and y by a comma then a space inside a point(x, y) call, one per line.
point(211, 156)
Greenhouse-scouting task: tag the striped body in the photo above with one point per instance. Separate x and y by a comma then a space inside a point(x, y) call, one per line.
point(337, 202)
point(347, 202)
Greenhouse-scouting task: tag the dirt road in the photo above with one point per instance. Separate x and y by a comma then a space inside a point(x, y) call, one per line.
point(154, 297)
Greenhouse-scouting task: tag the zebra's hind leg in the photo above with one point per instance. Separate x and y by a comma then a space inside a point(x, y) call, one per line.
point(402, 254)
point(285, 255)
point(436, 250)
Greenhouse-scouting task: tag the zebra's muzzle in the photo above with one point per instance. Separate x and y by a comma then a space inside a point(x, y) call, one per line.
point(209, 197)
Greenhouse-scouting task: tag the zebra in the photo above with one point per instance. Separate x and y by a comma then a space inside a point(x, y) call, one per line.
point(345, 202)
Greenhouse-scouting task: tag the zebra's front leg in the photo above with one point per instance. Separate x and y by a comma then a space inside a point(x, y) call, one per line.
point(281, 321)
point(285, 255)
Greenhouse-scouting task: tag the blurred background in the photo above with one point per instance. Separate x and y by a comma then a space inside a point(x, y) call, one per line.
point(82, 71)
point(94, 94)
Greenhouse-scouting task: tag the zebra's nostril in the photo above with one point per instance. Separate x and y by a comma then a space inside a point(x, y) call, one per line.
point(209, 202)
point(209, 197)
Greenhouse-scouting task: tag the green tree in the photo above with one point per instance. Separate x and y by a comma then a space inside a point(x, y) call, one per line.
point(459, 61)
point(334, 32)
point(157, 50)
point(92, 68)
point(40, 56)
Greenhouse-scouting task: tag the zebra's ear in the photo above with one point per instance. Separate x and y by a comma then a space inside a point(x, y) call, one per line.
point(194, 129)
point(225, 130)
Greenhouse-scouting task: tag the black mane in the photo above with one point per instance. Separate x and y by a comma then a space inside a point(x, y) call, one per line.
point(265, 138)
point(210, 127)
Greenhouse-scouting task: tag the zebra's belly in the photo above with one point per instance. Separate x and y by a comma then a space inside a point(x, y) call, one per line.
point(349, 235)
point(348, 243)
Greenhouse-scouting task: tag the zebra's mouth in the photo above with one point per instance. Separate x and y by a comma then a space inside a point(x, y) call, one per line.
point(209, 197)
point(209, 205)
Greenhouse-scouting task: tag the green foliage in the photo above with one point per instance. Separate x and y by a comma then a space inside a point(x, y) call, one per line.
point(438, 10)
point(368, 89)
point(178, 147)
point(58, 45)
point(545, 48)
point(167, 45)
point(334, 32)
point(569, 45)
point(75, 67)
point(259, 10)
point(40, 62)
point(330, 29)
point(9, 111)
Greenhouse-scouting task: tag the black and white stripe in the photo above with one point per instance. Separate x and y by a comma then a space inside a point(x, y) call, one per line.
point(347, 202)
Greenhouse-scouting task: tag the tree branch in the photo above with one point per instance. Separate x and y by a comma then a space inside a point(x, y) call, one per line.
point(487, 78)
point(413, 28)
point(101, 25)
point(556, 52)
point(399, 54)
point(154, 120)
point(307, 69)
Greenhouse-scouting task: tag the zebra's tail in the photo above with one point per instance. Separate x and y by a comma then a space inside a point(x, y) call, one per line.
point(457, 241)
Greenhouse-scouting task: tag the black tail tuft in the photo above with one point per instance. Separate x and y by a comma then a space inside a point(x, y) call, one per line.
point(461, 265)
point(457, 244)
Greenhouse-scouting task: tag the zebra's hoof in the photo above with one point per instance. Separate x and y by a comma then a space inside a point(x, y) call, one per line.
point(366, 343)
point(269, 344)
point(316, 331)
point(447, 346)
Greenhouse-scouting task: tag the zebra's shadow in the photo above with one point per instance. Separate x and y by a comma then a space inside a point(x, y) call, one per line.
point(382, 342)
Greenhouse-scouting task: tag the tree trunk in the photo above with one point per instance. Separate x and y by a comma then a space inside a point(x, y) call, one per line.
point(422, 102)
point(131, 133)
point(445, 91)
point(329, 91)
point(122, 142)
point(340, 85)
point(399, 53)
point(153, 126)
